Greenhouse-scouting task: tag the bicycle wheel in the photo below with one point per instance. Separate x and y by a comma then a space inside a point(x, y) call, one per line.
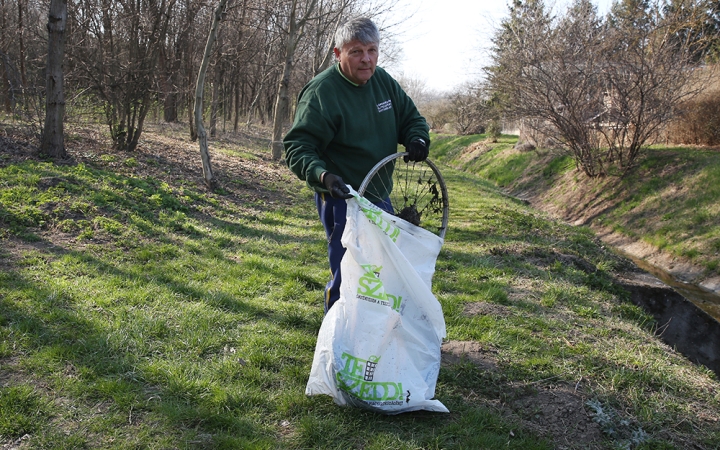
point(416, 190)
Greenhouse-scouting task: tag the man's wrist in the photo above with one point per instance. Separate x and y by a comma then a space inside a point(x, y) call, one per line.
point(322, 177)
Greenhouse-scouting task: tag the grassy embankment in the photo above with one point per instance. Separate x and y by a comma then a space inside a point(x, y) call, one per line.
point(671, 201)
point(139, 310)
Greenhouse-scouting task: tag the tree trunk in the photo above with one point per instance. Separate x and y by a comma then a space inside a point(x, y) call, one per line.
point(6, 86)
point(170, 97)
point(189, 98)
point(21, 41)
point(282, 105)
point(170, 110)
point(199, 88)
point(258, 91)
point(215, 101)
point(236, 105)
point(218, 76)
point(53, 140)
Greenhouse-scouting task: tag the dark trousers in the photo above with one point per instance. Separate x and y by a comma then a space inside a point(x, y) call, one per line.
point(332, 214)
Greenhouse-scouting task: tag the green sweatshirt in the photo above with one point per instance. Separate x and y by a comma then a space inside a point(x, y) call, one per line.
point(346, 129)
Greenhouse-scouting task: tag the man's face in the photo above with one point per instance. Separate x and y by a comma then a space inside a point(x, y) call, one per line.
point(357, 61)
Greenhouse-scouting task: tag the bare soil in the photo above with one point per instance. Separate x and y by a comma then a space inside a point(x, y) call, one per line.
point(554, 410)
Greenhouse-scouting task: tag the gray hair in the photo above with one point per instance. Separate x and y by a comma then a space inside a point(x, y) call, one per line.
point(359, 29)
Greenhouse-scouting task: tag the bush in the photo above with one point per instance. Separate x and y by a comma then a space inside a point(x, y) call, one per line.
point(698, 122)
point(524, 147)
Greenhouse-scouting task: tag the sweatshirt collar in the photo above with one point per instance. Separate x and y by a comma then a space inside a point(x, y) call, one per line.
point(337, 66)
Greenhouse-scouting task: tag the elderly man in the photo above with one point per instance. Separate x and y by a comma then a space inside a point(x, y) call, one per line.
point(348, 118)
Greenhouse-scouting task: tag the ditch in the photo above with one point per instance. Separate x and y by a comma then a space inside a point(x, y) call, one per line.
point(687, 316)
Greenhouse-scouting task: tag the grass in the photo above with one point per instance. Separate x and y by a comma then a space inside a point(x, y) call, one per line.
point(671, 200)
point(495, 161)
point(681, 187)
point(138, 309)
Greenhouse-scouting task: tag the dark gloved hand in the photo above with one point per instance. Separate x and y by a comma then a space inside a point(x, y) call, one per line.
point(336, 186)
point(417, 151)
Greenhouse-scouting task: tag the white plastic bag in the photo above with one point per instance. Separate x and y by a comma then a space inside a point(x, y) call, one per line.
point(379, 345)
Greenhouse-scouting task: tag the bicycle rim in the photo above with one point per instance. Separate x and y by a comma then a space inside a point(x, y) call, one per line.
point(416, 190)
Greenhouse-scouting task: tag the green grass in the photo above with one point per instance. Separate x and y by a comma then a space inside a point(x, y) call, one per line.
point(671, 199)
point(143, 311)
point(22, 410)
point(682, 188)
point(496, 162)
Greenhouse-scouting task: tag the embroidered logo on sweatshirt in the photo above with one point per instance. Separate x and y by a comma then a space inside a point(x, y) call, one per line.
point(384, 106)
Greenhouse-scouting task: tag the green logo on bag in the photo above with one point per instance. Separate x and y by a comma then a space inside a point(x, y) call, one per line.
point(374, 213)
point(371, 288)
point(356, 378)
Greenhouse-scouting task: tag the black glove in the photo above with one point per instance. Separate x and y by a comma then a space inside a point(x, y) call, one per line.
point(417, 151)
point(337, 187)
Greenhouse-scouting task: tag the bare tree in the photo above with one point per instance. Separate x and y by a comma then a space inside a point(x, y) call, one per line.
point(23, 55)
point(323, 32)
point(438, 112)
point(294, 28)
point(319, 19)
point(178, 47)
point(119, 57)
point(603, 87)
point(53, 138)
point(200, 87)
point(21, 41)
point(415, 88)
point(470, 113)
point(647, 75)
point(218, 72)
point(126, 58)
point(266, 70)
point(5, 93)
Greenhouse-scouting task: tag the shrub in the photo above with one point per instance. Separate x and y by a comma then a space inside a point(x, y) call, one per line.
point(698, 122)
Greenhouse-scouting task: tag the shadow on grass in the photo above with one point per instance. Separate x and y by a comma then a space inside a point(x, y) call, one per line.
point(244, 387)
point(58, 338)
point(55, 337)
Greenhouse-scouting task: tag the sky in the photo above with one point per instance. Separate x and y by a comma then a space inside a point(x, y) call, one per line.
point(446, 41)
